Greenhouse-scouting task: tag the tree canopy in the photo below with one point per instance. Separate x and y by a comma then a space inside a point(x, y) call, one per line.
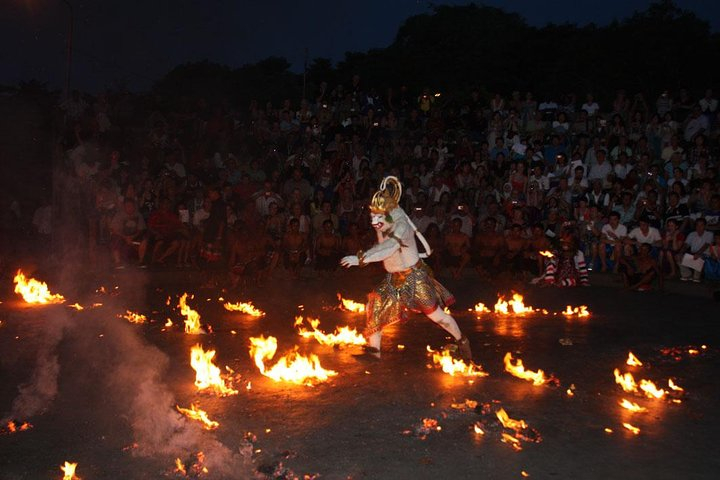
point(456, 48)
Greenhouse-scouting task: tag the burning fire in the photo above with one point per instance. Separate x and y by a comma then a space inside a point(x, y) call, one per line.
point(627, 382)
point(651, 391)
point(133, 317)
point(632, 428)
point(675, 387)
point(546, 253)
point(580, 311)
point(192, 317)
point(518, 370)
point(508, 422)
point(477, 427)
point(195, 413)
point(518, 307)
point(247, 308)
point(633, 361)
point(33, 291)
point(69, 471)
point(180, 467)
point(341, 336)
point(293, 367)
point(12, 427)
point(632, 406)
point(76, 306)
point(509, 439)
point(454, 366)
point(350, 305)
point(481, 308)
point(207, 375)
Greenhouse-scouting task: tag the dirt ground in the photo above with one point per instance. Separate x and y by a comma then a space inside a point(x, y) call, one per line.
point(101, 391)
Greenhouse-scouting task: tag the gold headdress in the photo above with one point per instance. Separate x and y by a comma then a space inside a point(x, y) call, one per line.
point(387, 198)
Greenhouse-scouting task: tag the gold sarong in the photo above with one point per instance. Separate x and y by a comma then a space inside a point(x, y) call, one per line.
point(412, 290)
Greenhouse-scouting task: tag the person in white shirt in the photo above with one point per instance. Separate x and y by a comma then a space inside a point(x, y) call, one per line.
point(644, 234)
point(590, 106)
point(601, 169)
point(612, 235)
point(695, 244)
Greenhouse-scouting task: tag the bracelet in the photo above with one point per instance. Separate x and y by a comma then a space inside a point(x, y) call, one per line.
point(361, 259)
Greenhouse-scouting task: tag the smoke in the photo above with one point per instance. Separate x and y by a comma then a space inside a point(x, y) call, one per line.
point(108, 367)
point(36, 396)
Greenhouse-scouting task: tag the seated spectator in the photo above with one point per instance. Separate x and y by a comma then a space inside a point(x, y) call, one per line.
point(566, 268)
point(487, 248)
point(327, 249)
point(696, 244)
point(644, 233)
point(128, 235)
point(514, 250)
point(457, 244)
point(537, 243)
point(294, 248)
point(640, 269)
point(612, 237)
point(165, 231)
point(672, 243)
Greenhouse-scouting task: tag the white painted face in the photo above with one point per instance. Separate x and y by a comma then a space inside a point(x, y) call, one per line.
point(379, 222)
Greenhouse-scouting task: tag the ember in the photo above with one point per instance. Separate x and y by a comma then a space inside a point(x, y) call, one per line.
point(76, 306)
point(350, 305)
point(341, 336)
point(508, 422)
point(69, 471)
point(207, 375)
point(13, 427)
point(247, 308)
point(293, 367)
point(626, 381)
point(192, 317)
point(518, 370)
point(454, 366)
point(546, 253)
point(198, 414)
point(674, 387)
point(514, 442)
point(33, 291)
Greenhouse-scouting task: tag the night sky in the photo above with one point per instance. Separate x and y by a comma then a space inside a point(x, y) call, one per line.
point(132, 43)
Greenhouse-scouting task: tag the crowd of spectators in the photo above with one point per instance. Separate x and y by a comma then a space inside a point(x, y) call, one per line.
point(491, 182)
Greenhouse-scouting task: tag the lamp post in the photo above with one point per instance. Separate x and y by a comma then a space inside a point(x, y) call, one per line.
point(68, 58)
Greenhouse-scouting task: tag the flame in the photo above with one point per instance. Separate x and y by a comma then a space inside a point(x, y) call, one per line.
point(546, 253)
point(518, 306)
point(480, 308)
point(195, 413)
point(180, 467)
point(518, 370)
point(76, 306)
point(626, 381)
point(33, 291)
point(293, 367)
point(13, 427)
point(508, 422)
point(350, 305)
point(169, 323)
point(341, 336)
point(633, 407)
point(478, 428)
point(454, 366)
point(651, 391)
point(633, 361)
point(580, 311)
point(514, 442)
point(247, 308)
point(632, 428)
point(207, 375)
point(133, 317)
point(69, 471)
point(675, 387)
point(192, 317)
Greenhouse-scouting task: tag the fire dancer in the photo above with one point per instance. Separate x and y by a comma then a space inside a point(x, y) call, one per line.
point(409, 284)
point(567, 266)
